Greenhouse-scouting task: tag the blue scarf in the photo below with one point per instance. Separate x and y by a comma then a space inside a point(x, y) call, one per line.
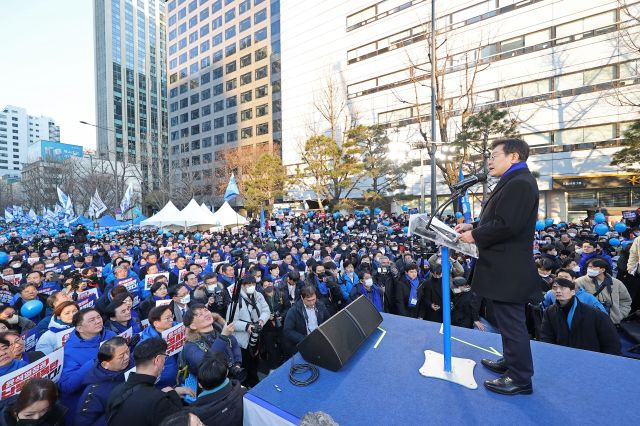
point(322, 287)
point(216, 389)
point(413, 294)
point(514, 167)
point(572, 311)
point(373, 296)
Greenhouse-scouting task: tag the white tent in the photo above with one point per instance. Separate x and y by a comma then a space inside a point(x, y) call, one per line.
point(225, 215)
point(166, 216)
point(208, 214)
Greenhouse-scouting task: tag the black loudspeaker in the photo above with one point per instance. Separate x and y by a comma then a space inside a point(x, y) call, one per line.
point(332, 344)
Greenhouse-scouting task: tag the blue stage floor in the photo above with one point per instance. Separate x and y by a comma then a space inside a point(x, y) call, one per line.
point(383, 387)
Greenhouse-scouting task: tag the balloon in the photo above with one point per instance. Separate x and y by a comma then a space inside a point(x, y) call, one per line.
point(405, 229)
point(310, 214)
point(31, 309)
point(167, 234)
point(367, 210)
point(197, 236)
point(356, 212)
point(601, 229)
point(599, 217)
point(614, 242)
point(390, 230)
point(345, 228)
point(4, 258)
point(181, 237)
point(53, 232)
point(562, 225)
point(458, 215)
point(405, 208)
point(539, 225)
point(377, 210)
point(386, 223)
point(548, 221)
point(336, 215)
point(620, 227)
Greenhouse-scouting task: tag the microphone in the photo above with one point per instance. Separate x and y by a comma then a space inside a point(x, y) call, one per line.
point(471, 180)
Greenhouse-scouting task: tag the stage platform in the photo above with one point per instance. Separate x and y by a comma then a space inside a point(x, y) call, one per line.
point(382, 386)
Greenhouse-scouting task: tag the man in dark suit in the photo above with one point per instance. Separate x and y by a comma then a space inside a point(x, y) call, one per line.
point(505, 271)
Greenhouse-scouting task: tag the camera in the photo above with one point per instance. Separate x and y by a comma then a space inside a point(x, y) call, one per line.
point(254, 337)
point(237, 252)
point(236, 372)
point(277, 319)
point(383, 270)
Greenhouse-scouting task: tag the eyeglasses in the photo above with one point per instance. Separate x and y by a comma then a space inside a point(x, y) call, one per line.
point(92, 320)
point(167, 318)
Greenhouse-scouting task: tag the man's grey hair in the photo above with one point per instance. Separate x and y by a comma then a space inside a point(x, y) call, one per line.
point(317, 418)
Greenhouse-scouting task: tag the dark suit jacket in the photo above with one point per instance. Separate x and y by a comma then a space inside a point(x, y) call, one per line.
point(505, 270)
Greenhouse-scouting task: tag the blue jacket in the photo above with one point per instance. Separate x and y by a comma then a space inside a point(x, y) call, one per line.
point(581, 294)
point(193, 354)
point(97, 386)
point(79, 355)
point(586, 257)
point(12, 366)
point(170, 371)
point(346, 284)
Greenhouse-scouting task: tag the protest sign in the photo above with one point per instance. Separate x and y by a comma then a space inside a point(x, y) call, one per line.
point(131, 284)
point(13, 279)
point(175, 337)
point(63, 336)
point(31, 338)
point(87, 298)
point(49, 367)
point(150, 278)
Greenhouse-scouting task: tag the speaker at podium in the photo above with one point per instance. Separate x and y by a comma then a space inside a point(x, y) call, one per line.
point(334, 342)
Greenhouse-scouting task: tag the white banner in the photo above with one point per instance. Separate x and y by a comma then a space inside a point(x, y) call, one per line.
point(150, 278)
point(175, 337)
point(49, 367)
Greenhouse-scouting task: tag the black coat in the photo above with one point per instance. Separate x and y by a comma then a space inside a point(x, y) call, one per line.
point(145, 406)
point(295, 323)
point(433, 295)
point(54, 417)
point(221, 407)
point(387, 284)
point(591, 329)
point(403, 290)
point(505, 270)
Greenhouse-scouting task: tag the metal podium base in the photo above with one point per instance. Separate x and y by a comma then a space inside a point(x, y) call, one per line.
point(461, 369)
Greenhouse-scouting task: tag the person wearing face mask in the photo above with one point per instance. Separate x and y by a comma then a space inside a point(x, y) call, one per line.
point(108, 372)
point(569, 322)
point(367, 288)
point(545, 268)
point(272, 333)
point(433, 295)
point(348, 279)
point(583, 296)
point(608, 290)
point(37, 404)
point(181, 298)
point(62, 320)
point(251, 315)
point(17, 322)
point(213, 295)
point(305, 315)
point(383, 277)
point(590, 251)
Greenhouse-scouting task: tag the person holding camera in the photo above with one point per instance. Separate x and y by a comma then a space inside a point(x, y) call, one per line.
point(208, 332)
point(383, 277)
point(250, 316)
point(213, 295)
point(272, 333)
point(327, 289)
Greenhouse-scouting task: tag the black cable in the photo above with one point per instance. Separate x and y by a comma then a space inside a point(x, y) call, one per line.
point(302, 369)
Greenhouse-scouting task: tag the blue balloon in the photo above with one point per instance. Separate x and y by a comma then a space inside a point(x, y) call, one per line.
point(167, 234)
point(458, 215)
point(626, 243)
point(336, 215)
point(540, 225)
point(310, 214)
point(620, 227)
point(181, 237)
point(4, 258)
point(405, 229)
point(562, 225)
point(345, 229)
point(405, 208)
point(386, 223)
point(390, 230)
point(377, 210)
point(197, 236)
point(31, 309)
point(53, 232)
point(600, 218)
point(601, 229)
point(367, 210)
point(548, 221)
point(614, 242)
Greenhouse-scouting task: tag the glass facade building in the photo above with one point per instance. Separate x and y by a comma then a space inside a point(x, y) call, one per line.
point(131, 86)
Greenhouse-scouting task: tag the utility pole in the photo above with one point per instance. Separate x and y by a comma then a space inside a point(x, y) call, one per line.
point(485, 164)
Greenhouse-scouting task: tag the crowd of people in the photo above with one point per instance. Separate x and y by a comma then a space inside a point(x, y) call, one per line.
point(108, 299)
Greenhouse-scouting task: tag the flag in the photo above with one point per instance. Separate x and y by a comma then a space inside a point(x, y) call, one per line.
point(8, 215)
point(263, 220)
point(65, 202)
point(232, 189)
point(96, 206)
point(32, 215)
point(126, 200)
point(464, 200)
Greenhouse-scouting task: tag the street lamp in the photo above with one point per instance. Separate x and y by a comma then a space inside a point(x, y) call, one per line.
point(434, 67)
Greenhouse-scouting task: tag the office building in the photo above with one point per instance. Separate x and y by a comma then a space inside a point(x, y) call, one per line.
point(561, 68)
point(131, 102)
point(18, 131)
point(224, 85)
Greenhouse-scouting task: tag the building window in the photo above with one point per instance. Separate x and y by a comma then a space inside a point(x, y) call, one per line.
point(230, 32)
point(245, 42)
point(261, 53)
point(244, 6)
point(232, 119)
point(246, 114)
point(244, 25)
point(261, 72)
point(245, 97)
point(230, 50)
point(231, 67)
point(262, 129)
point(246, 133)
point(218, 122)
point(231, 84)
point(232, 136)
point(231, 101)
point(219, 139)
point(245, 78)
point(229, 15)
point(218, 106)
point(262, 91)
point(245, 60)
point(261, 35)
point(262, 110)
point(260, 16)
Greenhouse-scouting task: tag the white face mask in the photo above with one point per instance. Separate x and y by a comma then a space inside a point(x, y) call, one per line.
point(16, 265)
point(250, 289)
point(593, 272)
point(13, 320)
point(368, 282)
point(258, 279)
point(186, 299)
point(579, 251)
point(576, 269)
point(571, 234)
point(212, 288)
point(544, 275)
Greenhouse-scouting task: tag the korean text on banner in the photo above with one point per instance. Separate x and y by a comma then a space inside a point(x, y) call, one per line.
point(49, 367)
point(175, 337)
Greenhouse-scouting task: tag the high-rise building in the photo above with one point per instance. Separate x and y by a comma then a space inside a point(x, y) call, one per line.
point(561, 68)
point(224, 83)
point(19, 130)
point(131, 101)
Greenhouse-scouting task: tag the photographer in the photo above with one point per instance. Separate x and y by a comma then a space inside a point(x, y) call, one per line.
point(272, 333)
point(383, 277)
point(213, 295)
point(250, 316)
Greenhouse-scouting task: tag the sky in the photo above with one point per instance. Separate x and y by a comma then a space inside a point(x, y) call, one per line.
point(47, 65)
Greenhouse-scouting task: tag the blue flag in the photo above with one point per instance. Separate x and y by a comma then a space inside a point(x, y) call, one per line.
point(263, 220)
point(232, 189)
point(464, 201)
